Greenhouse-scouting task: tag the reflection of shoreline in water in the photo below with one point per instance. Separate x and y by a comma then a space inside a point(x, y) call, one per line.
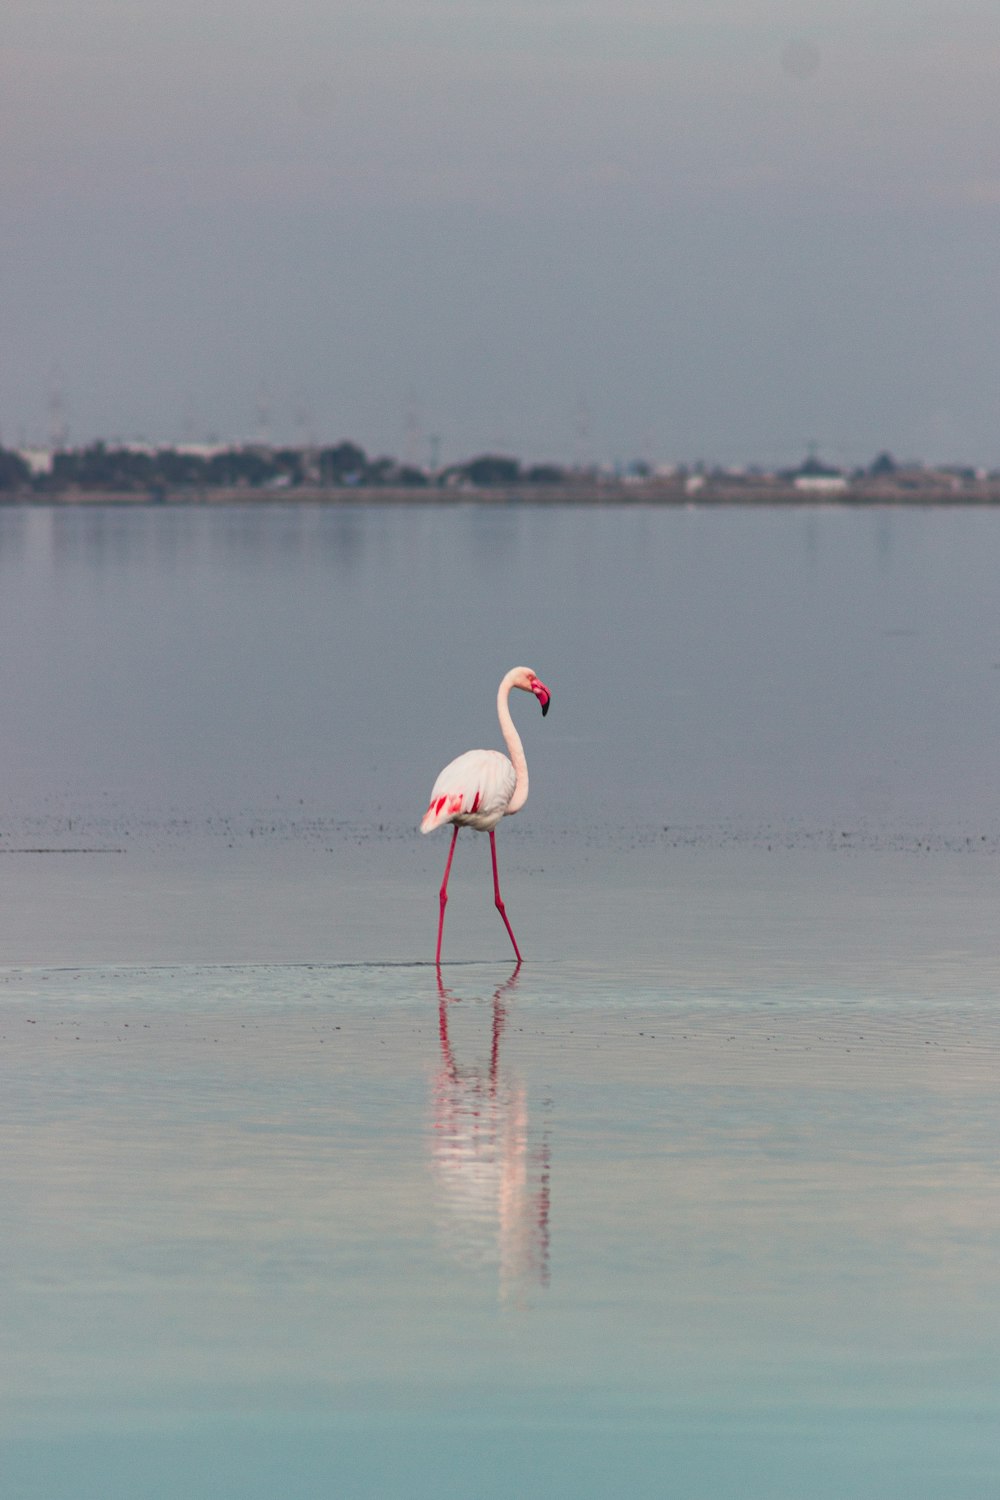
point(494, 1188)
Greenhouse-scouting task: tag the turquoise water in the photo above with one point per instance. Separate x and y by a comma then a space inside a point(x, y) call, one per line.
point(702, 1201)
point(339, 1230)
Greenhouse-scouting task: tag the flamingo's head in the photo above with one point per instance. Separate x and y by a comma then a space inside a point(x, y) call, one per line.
point(525, 679)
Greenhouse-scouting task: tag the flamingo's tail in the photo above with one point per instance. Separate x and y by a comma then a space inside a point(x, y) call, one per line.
point(442, 810)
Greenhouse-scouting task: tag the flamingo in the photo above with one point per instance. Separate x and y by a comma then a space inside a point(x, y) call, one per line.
point(482, 786)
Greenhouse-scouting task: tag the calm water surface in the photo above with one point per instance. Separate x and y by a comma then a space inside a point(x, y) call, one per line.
point(702, 1201)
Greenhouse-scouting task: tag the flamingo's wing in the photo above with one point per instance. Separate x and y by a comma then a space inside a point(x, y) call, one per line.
point(474, 789)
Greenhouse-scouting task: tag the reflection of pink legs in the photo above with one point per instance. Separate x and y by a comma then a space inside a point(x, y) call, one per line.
point(496, 896)
point(499, 1017)
point(446, 998)
point(444, 892)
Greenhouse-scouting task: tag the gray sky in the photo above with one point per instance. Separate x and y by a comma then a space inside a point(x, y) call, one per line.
point(578, 229)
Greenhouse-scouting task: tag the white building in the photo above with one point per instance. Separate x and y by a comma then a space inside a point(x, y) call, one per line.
point(818, 479)
point(39, 460)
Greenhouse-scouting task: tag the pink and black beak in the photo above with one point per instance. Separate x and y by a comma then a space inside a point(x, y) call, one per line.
point(542, 693)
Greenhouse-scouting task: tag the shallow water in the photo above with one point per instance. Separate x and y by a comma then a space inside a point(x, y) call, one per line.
point(703, 1200)
point(334, 1230)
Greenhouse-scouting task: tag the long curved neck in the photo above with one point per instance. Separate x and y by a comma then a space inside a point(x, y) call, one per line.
point(514, 747)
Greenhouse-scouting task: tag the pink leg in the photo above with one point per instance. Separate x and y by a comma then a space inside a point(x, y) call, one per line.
point(496, 896)
point(444, 894)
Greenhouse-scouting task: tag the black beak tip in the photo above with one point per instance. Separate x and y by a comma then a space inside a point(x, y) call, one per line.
point(545, 706)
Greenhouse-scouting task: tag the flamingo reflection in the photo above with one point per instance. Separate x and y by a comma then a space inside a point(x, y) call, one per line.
point(493, 1182)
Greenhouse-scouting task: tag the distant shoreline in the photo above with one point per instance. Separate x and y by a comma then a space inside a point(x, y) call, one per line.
point(608, 494)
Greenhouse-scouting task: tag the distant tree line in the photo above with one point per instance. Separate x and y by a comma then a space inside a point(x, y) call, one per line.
point(141, 470)
point(137, 469)
point(14, 472)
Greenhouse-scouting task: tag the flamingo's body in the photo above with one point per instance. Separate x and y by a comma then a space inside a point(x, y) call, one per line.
point(473, 791)
point(480, 787)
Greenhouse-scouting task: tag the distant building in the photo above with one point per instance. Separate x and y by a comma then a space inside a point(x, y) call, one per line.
point(816, 478)
point(39, 460)
point(201, 450)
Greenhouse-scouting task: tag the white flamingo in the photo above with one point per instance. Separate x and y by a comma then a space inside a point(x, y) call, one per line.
point(482, 786)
